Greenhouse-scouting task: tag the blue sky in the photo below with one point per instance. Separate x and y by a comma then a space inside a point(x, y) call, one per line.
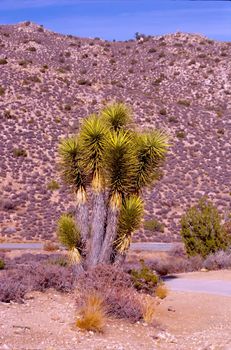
point(120, 19)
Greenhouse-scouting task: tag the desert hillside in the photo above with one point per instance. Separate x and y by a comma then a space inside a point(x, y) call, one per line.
point(49, 82)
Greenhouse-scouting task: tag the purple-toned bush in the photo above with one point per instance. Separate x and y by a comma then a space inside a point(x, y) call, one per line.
point(115, 287)
point(19, 279)
point(52, 276)
point(218, 260)
point(178, 251)
point(104, 276)
point(11, 289)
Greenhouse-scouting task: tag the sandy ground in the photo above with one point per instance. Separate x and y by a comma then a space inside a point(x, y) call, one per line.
point(183, 321)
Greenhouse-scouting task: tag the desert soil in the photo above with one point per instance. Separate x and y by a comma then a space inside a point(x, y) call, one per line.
point(46, 321)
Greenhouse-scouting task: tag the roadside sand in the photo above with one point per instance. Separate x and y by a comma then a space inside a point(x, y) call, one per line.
point(183, 321)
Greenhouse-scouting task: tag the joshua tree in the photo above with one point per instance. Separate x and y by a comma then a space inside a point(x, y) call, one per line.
point(107, 165)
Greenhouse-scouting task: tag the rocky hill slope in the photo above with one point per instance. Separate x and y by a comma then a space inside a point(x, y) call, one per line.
point(49, 82)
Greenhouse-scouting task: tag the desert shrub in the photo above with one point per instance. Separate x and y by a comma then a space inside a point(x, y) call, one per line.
point(104, 276)
point(163, 111)
point(161, 291)
point(19, 152)
point(67, 107)
point(8, 205)
point(31, 49)
point(152, 50)
point(50, 246)
point(17, 280)
point(60, 261)
point(201, 229)
point(153, 225)
point(144, 279)
point(148, 309)
point(219, 260)
point(2, 90)
point(116, 289)
point(2, 264)
point(52, 276)
point(124, 304)
point(8, 114)
point(173, 119)
point(3, 61)
point(84, 82)
point(11, 288)
point(92, 314)
point(177, 250)
point(185, 103)
point(34, 79)
point(180, 134)
point(53, 185)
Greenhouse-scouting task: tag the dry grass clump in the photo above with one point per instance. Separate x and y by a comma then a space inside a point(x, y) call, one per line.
point(148, 309)
point(161, 291)
point(93, 314)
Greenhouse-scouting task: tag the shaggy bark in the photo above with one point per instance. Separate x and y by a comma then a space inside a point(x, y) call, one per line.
point(110, 236)
point(97, 228)
point(82, 220)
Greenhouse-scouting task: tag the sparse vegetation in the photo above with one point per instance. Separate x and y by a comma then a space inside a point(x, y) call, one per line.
point(2, 264)
point(148, 309)
point(53, 185)
point(2, 91)
point(153, 225)
point(3, 61)
point(19, 152)
point(180, 134)
point(185, 103)
point(32, 49)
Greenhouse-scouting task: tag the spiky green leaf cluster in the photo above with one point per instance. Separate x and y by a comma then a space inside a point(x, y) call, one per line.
point(74, 174)
point(93, 138)
point(120, 162)
point(68, 232)
point(151, 149)
point(129, 220)
point(116, 116)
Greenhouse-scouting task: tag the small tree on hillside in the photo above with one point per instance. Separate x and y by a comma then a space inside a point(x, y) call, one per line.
point(107, 165)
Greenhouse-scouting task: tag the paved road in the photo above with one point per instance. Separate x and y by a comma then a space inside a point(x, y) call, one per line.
point(158, 247)
point(181, 284)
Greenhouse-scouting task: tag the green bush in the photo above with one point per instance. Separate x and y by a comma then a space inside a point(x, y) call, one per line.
point(3, 61)
point(2, 264)
point(201, 230)
point(2, 90)
point(19, 152)
point(153, 225)
point(53, 185)
point(144, 279)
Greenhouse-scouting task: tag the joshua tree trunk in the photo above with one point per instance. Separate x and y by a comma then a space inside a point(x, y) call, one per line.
point(110, 236)
point(97, 228)
point(82, 220)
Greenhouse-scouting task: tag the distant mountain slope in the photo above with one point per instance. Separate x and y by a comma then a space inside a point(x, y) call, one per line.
point(49, 82)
